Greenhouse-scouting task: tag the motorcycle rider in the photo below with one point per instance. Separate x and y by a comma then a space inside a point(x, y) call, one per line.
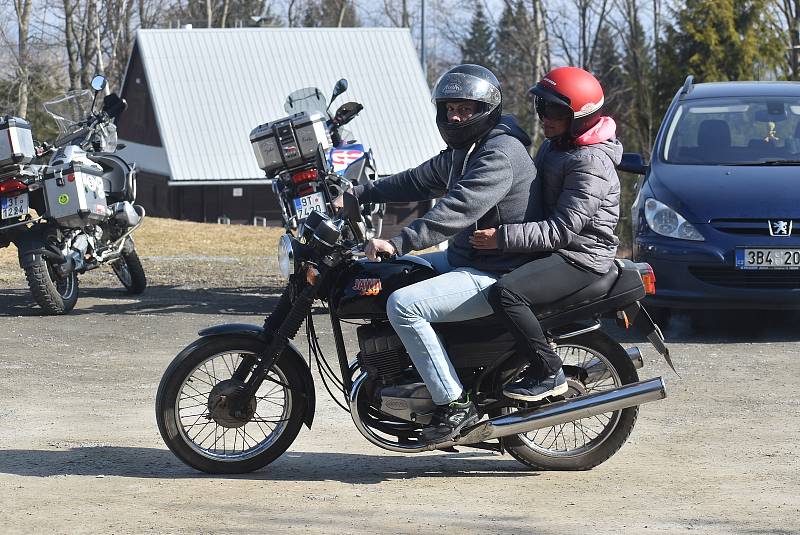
point(581, 191)
point(484, 179)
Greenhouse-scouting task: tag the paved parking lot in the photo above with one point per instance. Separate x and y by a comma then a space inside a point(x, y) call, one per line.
point(80, 451)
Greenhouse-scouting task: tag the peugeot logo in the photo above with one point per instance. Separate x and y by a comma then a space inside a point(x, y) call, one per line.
point(780, 228)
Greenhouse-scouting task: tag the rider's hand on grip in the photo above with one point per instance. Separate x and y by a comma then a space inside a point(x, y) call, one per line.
point(379, 249)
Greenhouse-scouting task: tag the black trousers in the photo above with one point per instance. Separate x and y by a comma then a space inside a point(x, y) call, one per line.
point(516, 296)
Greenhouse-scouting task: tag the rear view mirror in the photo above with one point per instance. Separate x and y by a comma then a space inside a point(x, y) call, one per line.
point(99, 83)
point(346, 112)
point(113, 105)
point(352, 212)
point(632, 162)
point(339, 88)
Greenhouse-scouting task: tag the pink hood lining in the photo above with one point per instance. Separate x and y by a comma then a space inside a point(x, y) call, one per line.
point(604, 130)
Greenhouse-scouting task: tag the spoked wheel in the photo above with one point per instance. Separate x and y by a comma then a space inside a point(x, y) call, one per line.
point(54, 293)
point(197, 415)
point(593, 363)
point(130, 272)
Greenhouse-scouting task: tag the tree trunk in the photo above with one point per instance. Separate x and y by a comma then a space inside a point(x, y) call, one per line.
point(71, 44)
point(23, 10)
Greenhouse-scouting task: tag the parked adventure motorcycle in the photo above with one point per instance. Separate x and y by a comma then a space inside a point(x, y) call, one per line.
point(76, 213)
point(287, 150)
point(235, 399)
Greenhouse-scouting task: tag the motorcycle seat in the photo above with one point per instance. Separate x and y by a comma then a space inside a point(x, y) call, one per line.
point(594, 291)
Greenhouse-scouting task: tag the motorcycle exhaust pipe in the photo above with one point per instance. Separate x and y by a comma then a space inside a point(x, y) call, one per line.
point(561, 412)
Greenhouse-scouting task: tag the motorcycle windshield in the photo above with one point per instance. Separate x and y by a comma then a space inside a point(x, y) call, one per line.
point(309, 99)
point(69, 110)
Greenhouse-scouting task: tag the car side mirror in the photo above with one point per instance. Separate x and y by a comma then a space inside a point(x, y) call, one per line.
point(632, 162)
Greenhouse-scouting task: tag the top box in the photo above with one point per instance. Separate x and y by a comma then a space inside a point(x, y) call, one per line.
point(16, 141)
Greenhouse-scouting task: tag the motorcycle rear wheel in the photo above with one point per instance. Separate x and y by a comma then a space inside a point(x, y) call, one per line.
point(130, 272)
point(221, 443)
point(55, 295)
point(588, 442)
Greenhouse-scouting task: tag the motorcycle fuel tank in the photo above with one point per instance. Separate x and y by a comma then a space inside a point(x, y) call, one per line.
point(363, 288)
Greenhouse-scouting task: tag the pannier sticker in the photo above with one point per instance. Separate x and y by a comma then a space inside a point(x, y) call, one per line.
point(367, 286)
point(63, 198)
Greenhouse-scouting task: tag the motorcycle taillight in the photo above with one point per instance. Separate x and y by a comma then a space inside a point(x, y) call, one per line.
point(648, 277)
point(11, 186)
point(304, 176)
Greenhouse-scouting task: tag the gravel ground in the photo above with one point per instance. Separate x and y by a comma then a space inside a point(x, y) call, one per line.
point(80, 451)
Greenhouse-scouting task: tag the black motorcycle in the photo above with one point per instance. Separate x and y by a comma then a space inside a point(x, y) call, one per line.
point(235, 399)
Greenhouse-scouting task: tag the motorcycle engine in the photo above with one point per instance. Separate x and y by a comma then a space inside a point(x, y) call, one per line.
point(398, 389)
point(382, 354)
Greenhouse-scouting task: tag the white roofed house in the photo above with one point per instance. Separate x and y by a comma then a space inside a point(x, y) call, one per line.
point(194, 96)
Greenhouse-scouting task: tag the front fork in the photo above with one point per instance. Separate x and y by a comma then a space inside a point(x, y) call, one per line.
point(283, 323)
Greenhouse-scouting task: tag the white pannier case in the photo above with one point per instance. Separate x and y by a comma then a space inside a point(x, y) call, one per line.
point(16, 142)
point(75, 195)
point(290, 142)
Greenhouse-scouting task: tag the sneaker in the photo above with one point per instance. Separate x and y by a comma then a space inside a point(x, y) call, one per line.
point(449, 420)
point(533, 389)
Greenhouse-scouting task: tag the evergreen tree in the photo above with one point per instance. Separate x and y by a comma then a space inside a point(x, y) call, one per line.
point(719, 41)
point(330, 14)
point(478, 47)
point(513, 65)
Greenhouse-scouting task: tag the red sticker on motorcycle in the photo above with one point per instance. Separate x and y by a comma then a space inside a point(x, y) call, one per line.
point(367, 286)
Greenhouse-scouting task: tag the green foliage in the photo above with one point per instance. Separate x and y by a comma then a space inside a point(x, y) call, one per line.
point(478, 47)
point(329, 14)
point(719, 40)
point(514, 68)
point(42, 86)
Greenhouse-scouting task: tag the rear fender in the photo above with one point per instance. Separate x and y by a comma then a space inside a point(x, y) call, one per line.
point(30, 247)
point(291, 354)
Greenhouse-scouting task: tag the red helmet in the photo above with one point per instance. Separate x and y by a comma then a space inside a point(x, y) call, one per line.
point(574, 90)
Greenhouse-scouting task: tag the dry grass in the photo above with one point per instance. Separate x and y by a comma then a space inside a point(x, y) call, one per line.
point(172, 238)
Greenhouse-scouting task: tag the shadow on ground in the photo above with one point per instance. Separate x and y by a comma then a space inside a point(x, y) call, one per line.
point(156, 300)
point(292, 466)
point(721, 326)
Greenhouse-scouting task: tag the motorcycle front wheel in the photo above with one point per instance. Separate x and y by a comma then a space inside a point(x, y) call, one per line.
point(192, 407)
point(584, 443)
point(128, 269)
point(54, 294)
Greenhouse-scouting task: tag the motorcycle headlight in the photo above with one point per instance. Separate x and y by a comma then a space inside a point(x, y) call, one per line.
point(285, 256)
point(665, 221)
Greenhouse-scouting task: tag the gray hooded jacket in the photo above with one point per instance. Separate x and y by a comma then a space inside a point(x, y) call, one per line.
point(492, 184)
point(581, 197)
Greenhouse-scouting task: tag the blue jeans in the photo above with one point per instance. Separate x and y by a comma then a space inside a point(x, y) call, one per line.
point(459, 294)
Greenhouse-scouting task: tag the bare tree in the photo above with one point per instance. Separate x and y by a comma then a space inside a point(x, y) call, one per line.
point(576, 26)
point(23, 10)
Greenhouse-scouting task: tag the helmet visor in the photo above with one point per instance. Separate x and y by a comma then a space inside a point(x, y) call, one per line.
point(551, 110)
point(461, 86)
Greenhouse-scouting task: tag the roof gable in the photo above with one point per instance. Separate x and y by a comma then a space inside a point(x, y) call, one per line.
point(211, 87)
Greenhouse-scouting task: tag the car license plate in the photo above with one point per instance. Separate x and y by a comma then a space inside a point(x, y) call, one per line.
point(305, 205)
point(747, 258)
point(11, 207)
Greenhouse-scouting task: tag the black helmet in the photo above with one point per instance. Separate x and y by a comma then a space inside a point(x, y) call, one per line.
point(467, 82)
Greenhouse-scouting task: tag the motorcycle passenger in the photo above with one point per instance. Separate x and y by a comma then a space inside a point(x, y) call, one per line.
point(581, 192)
point(484, 179)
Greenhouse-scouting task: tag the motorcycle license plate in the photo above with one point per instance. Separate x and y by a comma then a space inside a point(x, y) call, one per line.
point(305, 205)
point(747, 258)
point(12, 207)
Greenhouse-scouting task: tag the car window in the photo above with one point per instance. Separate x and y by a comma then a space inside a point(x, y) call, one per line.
point(733, 131)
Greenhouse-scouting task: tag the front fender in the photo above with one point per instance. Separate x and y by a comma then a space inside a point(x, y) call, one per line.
point(290, 353)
